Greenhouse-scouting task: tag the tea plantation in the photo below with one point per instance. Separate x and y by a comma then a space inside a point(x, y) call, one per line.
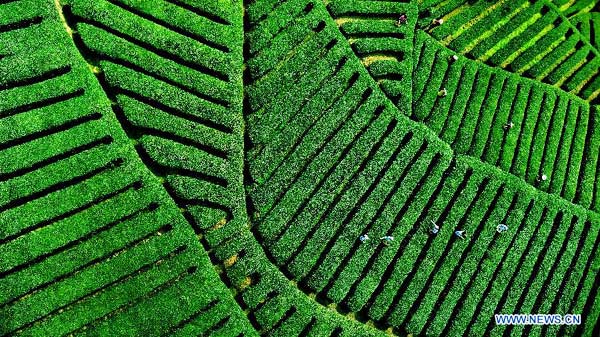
point(332, 168)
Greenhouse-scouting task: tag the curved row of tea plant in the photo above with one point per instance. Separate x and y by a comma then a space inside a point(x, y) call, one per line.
point(332, 158)
point(90, 242)
point(175, 75)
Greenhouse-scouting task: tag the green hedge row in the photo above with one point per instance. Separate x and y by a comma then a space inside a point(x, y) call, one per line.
point(334, 179)
point(569, 8)
point(384, 44)
point(339, 173)
point(293, 72)
point(174, 73)
point(324, 112)
point(473, 118)
point(352, 217)
point(91, 242)
point(283, 17)
point(586, 22)
point(515, 12)
point(319, 204)
point(415, 210)
point(522, 37)
point(275, 304)
point(543, 49)
point(377, 219)
point(94, 245)
point(463, 304)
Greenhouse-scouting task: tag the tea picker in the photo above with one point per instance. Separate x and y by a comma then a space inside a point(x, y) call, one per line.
point(387, 240)
point(435, 228)
point(461, 234)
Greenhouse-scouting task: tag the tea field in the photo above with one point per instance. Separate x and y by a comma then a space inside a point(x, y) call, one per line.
point(332, 168)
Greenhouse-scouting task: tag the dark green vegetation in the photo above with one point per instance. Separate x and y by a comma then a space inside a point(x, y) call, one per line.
point(194, 167)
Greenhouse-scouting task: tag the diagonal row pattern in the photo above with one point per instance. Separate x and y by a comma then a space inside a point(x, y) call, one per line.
point(530, 38)
point(572, 9)
point(522, 127)
point(332, 159)
point(587, 24)
point(470, 106)
point(89, 241)
point(173, 71)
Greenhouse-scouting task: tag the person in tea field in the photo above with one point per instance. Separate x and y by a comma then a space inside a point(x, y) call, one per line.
point(461, 234)
point(387, 239)
point(435, 228)
point(501, 228)
point(401, 20)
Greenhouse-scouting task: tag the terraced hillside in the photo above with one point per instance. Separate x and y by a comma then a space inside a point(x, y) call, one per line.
point(207, 168)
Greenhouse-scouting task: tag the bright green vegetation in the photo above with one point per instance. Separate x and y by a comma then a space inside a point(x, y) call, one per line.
point(549, 41)
point(384, 45)
point(553, 134)
point(90, 242)
point(336, 158)
point(205, 168)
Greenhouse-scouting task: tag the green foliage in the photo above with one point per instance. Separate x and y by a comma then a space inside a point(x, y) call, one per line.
point(540, 40)
point(320, 180)
point(91, 243)
point(180, 167)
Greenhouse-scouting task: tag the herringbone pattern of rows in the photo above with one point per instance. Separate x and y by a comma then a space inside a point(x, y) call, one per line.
point(90, 242)
point(332, 158)
point(206, 168)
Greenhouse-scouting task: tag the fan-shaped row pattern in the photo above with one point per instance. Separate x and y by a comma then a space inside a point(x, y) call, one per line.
point(174, 71)
point(522, 127)
point(530, 38)
point(381, 34)
point(332, 159)
point(90, 243)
